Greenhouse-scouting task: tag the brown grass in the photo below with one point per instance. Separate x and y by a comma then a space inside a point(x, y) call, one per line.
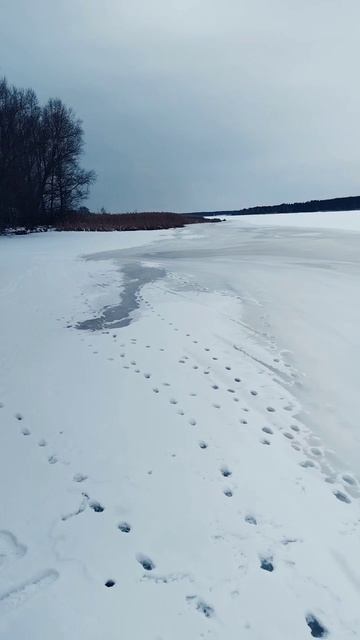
point(123, 222)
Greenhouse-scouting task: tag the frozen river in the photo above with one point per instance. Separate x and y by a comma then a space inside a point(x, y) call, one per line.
point(179, 437)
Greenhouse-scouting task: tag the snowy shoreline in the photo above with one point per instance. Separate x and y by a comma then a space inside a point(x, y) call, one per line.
point(181, 456)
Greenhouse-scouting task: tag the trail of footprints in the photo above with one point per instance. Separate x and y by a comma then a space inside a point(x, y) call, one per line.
point(14, 597)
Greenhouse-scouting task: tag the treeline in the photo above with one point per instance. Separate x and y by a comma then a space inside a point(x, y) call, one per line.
point(40, 150)
point(349, 203)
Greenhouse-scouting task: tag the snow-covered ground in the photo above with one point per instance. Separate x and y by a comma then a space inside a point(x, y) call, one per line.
point(179, 415)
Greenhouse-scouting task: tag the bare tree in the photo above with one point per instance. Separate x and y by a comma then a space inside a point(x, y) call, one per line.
point(40, 148)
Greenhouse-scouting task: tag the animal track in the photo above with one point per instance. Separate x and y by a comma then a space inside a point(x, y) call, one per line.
point(52, 460)
point(203, 445)
point(225, 472)
point(25, 431)
point(267, 564)
point(207, 610)
point(79, 477)
point(228, 493)
point(268, 430)
point(18, 416)
point(316, 628)
point(307, 464)
point(125, 527)
point(192, 422)
point(42, 443)
point(145, 562)
point(110, 583)
point(250, 520)
point(342, 497)
point(270, 409)
point(96, 506)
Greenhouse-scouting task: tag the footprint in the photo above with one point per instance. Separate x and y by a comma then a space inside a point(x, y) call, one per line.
point(228, 493)
point(242, 421)
point(307, 464)
point(19, 416)
point(173, 401)
point(192, 422)
point(155, 390)
point(145, 562)
point(317, 629)
point(288, 435)
point(267, 564)
point(342, 497)
point(316, 451)
point(110, 583)
point(250, 520)
point(265, 441)
point(42, 443)
point(237, 379)
point(228, 368)
point(294, 427)
point(349, 479)
point(125, 527)
point(267, 430)
point(231, 391)
point(52, 460)
point(207, 610)
point(254, 393)
point(203, 445)
point(147, 376)
point(225, 472)
point(80, 477)
point(26, 431)
point(270, 409)
point(216, 406)
point(96, 506)
point(215, 386)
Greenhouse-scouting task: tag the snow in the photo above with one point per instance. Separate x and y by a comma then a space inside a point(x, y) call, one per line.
point(183, 454)
point(344, 220)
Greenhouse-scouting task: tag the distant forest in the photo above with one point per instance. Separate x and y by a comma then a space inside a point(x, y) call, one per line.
point(350, 203)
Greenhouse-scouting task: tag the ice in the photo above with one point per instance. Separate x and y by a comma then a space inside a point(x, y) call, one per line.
point(205, 434)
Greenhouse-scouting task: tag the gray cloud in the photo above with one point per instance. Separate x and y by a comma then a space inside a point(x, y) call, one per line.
point(199, 104)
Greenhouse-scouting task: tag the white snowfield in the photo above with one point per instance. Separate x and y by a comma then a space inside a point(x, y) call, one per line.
point(179, 432)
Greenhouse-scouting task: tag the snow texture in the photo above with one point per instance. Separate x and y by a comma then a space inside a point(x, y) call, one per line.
point(179, 432)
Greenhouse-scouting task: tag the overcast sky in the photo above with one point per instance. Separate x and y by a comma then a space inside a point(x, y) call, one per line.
point(199, 104)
